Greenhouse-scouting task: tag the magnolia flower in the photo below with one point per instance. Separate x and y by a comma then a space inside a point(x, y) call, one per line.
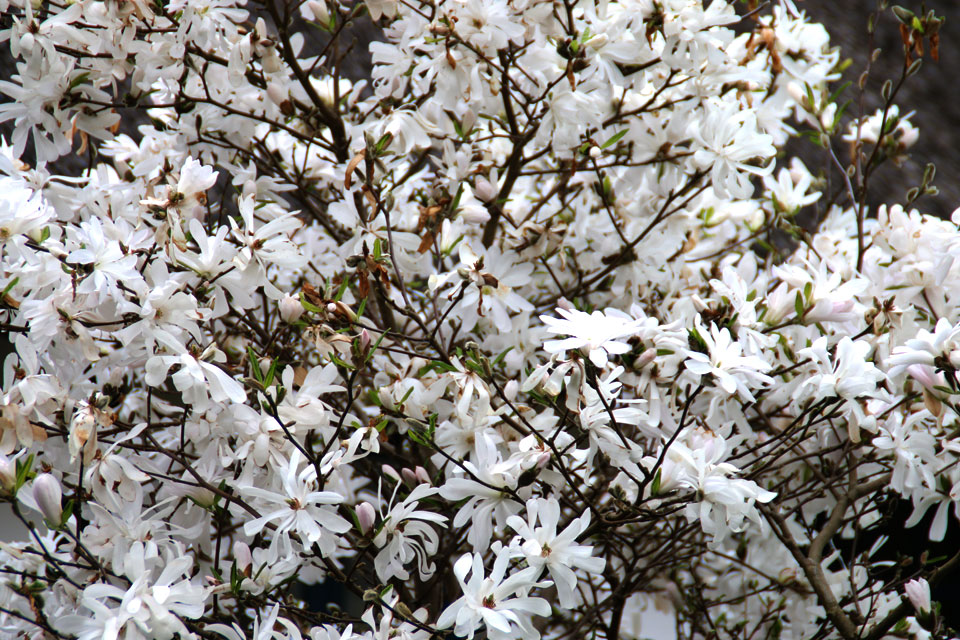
point(596, 334)
point(734, 372)
point(406, 534)
point(493, 601)
point(557, 552)
point(732, 146)
point(918, 592)
point(48, 495)
point(197, 379)
point(298, 507)
point(847, 375)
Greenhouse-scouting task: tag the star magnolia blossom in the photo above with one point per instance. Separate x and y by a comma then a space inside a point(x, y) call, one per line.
point(492, 600)
point(515, 272)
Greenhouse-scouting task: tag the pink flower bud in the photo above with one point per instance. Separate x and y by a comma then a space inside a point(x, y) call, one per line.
point(409, 476)
point(484, 189)
point(918, 592)
point(319, 11)
point(366, 516)
point(47, 493)
point(422, 475)
point(543, 459)
point(390, 472)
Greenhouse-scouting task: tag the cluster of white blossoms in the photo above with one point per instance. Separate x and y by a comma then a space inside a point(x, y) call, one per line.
point(519, 337)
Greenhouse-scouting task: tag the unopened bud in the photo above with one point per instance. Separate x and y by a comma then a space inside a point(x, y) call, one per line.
point(390, 472)
point(918, 592)
point(290, 308)
point(47, 494)
point(422, 475)
point(510, 390)
point(8, 473)
point(243, 556)
point(484, 189)
point(319, 10)
point(597, 41)
point(645, 358)
point(409, 476)
point(365, 340)
point(787, 575)
point(276, 93)
point(366, 516)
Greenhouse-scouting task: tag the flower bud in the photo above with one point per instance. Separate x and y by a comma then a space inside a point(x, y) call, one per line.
point(510, 390)
point(319, 11)
point(276, 93)
point(243, 556)
point(390, 472)
point(366, 516)
point(47, 493)
point(484, 189)
point(645, 358)
point(421, 474)
point(597, 41)
point(918, 592)
point(409, 477)
point(828, 116)
point(290, 308)
point(8, 473)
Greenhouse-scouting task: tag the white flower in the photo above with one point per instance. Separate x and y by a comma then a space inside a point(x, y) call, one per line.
point(48, 495)
point(299, 507)
point(197, 379)
point(918, 591)
point(730, 140)
point(493, 601)
point(406, 534)
point(847, 375)
point(734, 372)
point(597, 334)
point(558, 552)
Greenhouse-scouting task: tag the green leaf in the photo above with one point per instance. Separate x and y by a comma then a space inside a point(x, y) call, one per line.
point(308, 306)
point(456, 198)
point(24, 468)
point(614, 139)
point(798, 305)
point(405, 396)
point(376, 344)
point(10, 286)
point(655, 486)
point(499, 359)
point(236, 579)
point(255, 366)
point(268, 379)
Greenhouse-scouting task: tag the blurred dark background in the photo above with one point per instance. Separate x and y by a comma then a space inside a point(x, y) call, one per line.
point(934, 93)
